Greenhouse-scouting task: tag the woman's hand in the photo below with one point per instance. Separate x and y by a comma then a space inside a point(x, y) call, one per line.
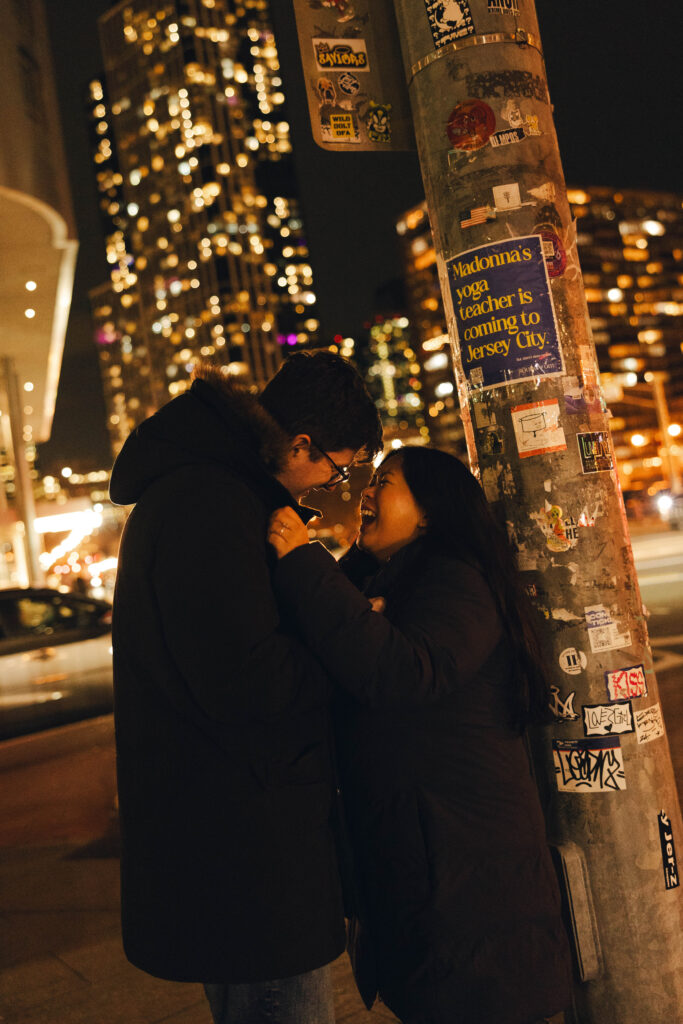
point(286, 531)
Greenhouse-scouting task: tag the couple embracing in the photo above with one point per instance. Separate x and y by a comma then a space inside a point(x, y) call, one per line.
point(301, 741)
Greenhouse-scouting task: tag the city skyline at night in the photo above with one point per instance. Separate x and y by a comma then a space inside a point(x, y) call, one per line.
point(350, 201)
point(203, 231)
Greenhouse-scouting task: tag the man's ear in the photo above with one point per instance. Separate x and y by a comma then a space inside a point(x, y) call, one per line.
point(299, 443)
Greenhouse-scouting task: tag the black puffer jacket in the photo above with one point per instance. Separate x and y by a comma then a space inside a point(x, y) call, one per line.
point(228, 867)
point(461, 920)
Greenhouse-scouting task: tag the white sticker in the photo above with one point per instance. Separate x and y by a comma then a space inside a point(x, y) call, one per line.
point(603, 631)
point(572, 661)
point(507, 197)
point(537, 428)
point(649, 724)
point(589, 766)
point(605, 719)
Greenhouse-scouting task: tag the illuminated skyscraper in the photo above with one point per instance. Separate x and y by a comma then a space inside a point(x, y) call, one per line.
point(204, 235)
point(630, 246)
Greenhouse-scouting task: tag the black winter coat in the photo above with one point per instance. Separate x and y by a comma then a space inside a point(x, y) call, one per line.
point(228, 869)
point(460, 915)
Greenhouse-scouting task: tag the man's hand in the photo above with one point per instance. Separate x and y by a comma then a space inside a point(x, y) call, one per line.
point(286, 531)
point(378, 604)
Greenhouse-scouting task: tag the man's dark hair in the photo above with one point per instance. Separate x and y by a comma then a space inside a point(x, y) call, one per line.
point(321, 394)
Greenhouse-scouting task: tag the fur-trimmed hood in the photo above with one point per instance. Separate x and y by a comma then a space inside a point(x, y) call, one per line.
point(219, 421)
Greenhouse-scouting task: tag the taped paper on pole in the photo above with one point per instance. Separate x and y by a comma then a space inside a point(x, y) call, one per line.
point(357, 95)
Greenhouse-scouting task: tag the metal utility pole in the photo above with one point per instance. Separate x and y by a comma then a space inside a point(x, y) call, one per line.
point(538, 435)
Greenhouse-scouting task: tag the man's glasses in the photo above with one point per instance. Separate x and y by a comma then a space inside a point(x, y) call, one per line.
point(341, 473)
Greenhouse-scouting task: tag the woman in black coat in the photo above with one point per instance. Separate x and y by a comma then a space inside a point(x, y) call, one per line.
point(458, 917)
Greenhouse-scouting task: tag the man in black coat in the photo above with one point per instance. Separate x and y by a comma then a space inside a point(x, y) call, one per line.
point(228, 868)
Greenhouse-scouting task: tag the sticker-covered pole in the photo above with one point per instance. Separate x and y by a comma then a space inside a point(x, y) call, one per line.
point(538, 436)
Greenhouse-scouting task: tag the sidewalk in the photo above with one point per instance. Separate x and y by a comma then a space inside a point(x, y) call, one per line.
point(61, 960)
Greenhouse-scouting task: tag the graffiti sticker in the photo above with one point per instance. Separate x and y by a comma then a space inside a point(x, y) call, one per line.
point(589, 766)
point(625, 683)
point(649, 724)
point(563, 710)
point(666, 838)
point(605, 719)
point(341, 54)
point(595, 452)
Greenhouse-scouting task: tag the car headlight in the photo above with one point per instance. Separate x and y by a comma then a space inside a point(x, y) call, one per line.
point(665, 503)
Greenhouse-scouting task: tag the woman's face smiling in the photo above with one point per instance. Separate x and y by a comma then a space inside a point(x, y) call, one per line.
point(390, 516)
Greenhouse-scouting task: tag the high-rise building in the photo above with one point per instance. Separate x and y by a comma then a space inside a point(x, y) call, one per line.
point(630, 246)
point(203, 230)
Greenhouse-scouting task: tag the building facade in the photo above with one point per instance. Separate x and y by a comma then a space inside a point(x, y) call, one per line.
point(204, 235)
point(37, 260)
point(630, 245)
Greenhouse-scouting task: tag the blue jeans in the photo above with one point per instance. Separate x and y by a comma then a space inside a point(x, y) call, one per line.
point(303, 999)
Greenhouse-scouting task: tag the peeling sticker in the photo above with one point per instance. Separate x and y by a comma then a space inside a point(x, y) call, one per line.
point(589, 766)
point(470, 125)
point(666, 838)
point(553, 253)
point(605, 719)
point(563, 709)
point(582, 400)
point(574, 570)
point(623, 683)
point(561, 533)
point(588, 366)
point(493, 442)
point(572, 661)
point(649, 724)
point(537, 428)
point(604, 635)
point(483, 417)
point(489, 481)
point(544, 192)
point(564, 615)
point(507, 83)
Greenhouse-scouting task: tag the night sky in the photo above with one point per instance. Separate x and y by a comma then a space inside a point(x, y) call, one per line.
point(614, 79)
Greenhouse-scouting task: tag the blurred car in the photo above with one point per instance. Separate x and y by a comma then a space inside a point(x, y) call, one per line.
point(670, 508)
point(55, 659)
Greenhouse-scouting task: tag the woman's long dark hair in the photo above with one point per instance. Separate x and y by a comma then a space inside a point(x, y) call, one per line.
point(461, 522)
